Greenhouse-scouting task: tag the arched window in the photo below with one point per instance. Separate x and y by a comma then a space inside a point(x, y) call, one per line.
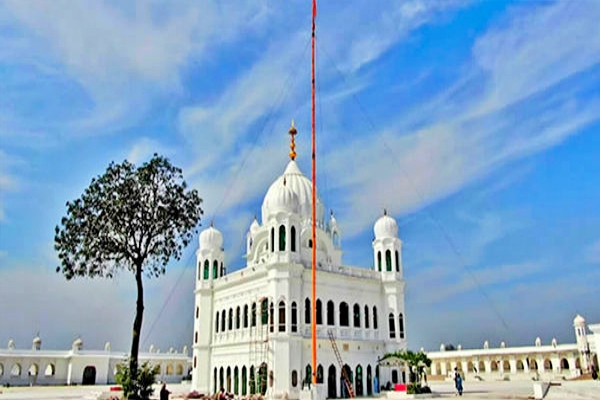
point(319, 312)
point(197, 312)
point(388, 260)
point(367, 317)
point(307, 311)
point(281, 238)
point(272, 240)
point(294, 317)
point(236, 381)
point(223, 316)
point(356, 316)
point(237, 317)
point(253, 314)
point(293, 239)
point(264, 312)
point(397, 261)
point(206, 270)
point(217, 322)
point(319, 373)
point(215, 269)
point(330, 313)
point(308, 373)
point(271, 317)
point(230, 320)
point(374, 317)
point(252, 380)
point(244, 380)
point(392, 326)
point(401, 326)
point(344, 314)
point(294, 378)
point(245, 315)
point(281, 316)
point(195, 337)
point(199, 270)
point(379, 261)
point(310, 243)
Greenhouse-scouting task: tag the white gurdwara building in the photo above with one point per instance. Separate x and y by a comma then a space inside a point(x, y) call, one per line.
point(252, 328)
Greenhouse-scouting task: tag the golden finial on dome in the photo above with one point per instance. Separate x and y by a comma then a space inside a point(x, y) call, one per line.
point(293, 133)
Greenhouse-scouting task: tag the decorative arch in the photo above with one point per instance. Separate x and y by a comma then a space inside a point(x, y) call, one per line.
point(217, 322)
point(319, 312)
point(15, 370)
point(245, 316)
point(331, 382)
point(272, 240)
point(307, 311)
point(344, 314)
point(564, 364)
point(281, 238)
point(244, 381)
point(330, 313)
point(397, 261)
point(388, 260)
point(401, 325)
point(494, 366)
point(367, 317)
point(238, 317)
point(547, 364)
point(33, 370)
point(236, 381)
point(282, 316)
point(319, 373)
point(293, 239)
point(170, 369)
point(230, 320)
point(379, 261)
point(369, 382)
point(179, 369)
point(359, 381)
point(228, 380)
point(206, 270)
point(264, 311)
point(223, 316)
point(49, 371)
point(520, 365)
point(253, 319)
point(221, 378)
point(356, 316)
point(506, 366)
point(374, 317)
point(215, 269)
point(294, 317)
point(271, 317)
point(392, 326)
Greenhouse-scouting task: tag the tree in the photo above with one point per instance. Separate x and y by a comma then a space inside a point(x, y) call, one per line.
point(129, 218)
point(417, 362)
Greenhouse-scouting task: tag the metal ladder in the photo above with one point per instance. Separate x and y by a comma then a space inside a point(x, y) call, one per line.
point(341, 363)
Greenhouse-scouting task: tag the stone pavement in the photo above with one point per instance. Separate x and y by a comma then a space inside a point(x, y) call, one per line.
point(575, 390)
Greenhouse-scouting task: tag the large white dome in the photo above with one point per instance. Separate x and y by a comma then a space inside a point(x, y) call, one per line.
point(300, 186)
point(211, 238)
point(385, 227)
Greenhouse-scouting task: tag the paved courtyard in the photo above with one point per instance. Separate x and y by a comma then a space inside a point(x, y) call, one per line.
point(577, 390)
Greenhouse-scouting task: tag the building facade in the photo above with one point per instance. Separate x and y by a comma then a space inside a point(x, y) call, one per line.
point(22, 367)
point(252, 330)
point(551, 361)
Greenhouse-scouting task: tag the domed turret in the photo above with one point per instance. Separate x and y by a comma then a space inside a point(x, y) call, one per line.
point(385, 227)
point(332, 223)
point(211, 238)
point(77, 344)
point(254, 226)
point(579, 320)
point(11, 344)
point(36, 343)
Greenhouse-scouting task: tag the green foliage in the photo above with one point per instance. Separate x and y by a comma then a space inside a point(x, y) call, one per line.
point(417, 362)
point(129, 218)
point(416, 388)
point(138, 385)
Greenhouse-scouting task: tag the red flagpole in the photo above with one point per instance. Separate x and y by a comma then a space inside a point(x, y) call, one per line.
point(314, 208)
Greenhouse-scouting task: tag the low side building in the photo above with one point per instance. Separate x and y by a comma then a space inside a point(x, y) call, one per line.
point(23, 367)
point(553, 361)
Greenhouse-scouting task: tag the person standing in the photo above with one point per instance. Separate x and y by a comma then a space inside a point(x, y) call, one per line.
point(594, 372)
point(458, 382)
point(164, 393)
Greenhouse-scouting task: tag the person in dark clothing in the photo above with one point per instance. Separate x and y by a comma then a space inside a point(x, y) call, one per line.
point(594, 372)
point(458, 382)
point(164, 393)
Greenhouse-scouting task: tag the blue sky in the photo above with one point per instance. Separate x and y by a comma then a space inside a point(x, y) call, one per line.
point(474, 123)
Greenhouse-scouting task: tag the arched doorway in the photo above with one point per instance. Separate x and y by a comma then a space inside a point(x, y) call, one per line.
point(89, 375)
point(369, 381)
point(343, 388)
point(359, 381)
point(262, 379)
point(564, 364)
point(331, 382)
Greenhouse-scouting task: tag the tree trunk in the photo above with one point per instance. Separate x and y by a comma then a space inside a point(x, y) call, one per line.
point(137, 324)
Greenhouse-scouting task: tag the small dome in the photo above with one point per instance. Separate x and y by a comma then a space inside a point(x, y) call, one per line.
point(579, 320)
point(332, 223)
point(11, 344)
point(211, 238)
point(37, 340)
point(78, 343)
point(385, 227)
point(254, 226)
